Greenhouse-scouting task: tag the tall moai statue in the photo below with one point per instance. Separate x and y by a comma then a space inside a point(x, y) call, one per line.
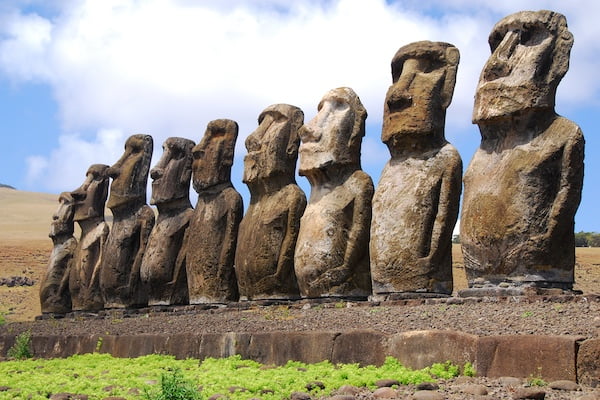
point(209, 245)
point(264, 260)
point(523, 185)
point(133, 220)
point(332, 252)
point(416, 202)
point(171, 195)
point(54, 288)
point(90, 200)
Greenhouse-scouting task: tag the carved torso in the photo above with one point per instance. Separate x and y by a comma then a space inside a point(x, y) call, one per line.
point(84, 281)
point(330, 229)
point(519, 207)
point(158, 264)
point(120, 275)
point(209, 248)
point(266, 241)
point(415, 208)
point(54, 290)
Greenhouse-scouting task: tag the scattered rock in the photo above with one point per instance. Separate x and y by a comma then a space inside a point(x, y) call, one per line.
point(234, 389)
point(529, 393)
point(300, 396)
point(310, 386)
point(348, 390)
point(563, 385)
point(4, 388)
point(475, 389)
point(342, 397)
point(427, 395)
point(428, 386)
point(387, 383)
point(217, 396)
point(384, 393)
point(17, 281)
point(68, 396)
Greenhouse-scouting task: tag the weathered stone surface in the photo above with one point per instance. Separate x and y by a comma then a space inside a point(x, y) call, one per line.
point(54, 288)
point(385, 393)
point(475, 390)
point(427, 395)
point(208, 252)
point(133, 220)
point(547, 357)
point(428, 386)
point(588, 362)
point(264, 260)
point(332, 252)
point(84, 278)
point(386, 382)
point(420, 349)
point(349, 348)
point(170, 193)
point(529, 393)
point(563, 384)
point(416, 202)
point(523, 185)
point(278, 349)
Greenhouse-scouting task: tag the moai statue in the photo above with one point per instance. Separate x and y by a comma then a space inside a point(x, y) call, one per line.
point(133, 220)
point(84, 279)
point(209, 245)
point(264, 260)
point(54, 288)
point(171, 195)
point(523, 185)
point(416, 202)
point(332, 253)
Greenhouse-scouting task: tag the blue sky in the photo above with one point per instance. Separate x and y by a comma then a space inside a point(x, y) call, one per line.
point(78, 77)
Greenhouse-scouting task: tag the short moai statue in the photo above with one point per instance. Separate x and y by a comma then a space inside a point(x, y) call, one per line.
point(90, 200)
point(264, 260)
point(332, 252)
point(208, 251)
point(416, 201)
point(171, 195)
point(523, 185)
point(133, 220)
point(54, 288)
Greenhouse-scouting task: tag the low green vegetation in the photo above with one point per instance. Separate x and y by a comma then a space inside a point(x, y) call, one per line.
point(22, 347)
point(159, 377)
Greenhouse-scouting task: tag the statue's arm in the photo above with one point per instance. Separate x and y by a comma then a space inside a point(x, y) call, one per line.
point(288, 245)
point(233, 215)
point(447, 208)
point(146, 225)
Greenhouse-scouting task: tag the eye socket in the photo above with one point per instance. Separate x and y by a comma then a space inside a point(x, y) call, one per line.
point(176, 154)
point(198, 154)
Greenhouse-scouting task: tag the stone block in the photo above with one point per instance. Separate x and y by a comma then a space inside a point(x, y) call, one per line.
point(365, 347)
point(588, 362)
point(523, 356)
point(420, 349)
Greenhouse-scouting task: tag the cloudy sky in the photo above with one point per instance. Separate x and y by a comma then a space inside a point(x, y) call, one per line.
point(78, 77)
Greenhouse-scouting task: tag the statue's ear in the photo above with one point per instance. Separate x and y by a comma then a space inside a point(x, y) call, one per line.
point(452, 59)
point(297, 120)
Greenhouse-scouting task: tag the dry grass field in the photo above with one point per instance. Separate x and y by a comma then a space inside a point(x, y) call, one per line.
point(24, 249)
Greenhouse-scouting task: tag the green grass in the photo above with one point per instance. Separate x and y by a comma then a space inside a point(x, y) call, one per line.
point(101, 375)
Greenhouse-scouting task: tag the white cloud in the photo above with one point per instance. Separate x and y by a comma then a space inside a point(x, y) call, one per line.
point(168, 67)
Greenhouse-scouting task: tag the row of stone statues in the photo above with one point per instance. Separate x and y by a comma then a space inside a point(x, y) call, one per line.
point(522, 189)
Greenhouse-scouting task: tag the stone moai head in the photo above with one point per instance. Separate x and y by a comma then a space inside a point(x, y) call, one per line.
point(273, 146)
point(424, 75)
point(90, 197)
point(530, 55)
point(213, 156)
point(130, 173)
point(62, 219)
point(334, 136)
point(171, 176)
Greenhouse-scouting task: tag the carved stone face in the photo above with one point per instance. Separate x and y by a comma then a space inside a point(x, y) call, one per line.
point(530, 55)
point(334, 135)
point(171, 176)
point(62, 219)
point(424, 74)
point(90, 197)
point(273, 146)
point(130, 173)
point(213, 156)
